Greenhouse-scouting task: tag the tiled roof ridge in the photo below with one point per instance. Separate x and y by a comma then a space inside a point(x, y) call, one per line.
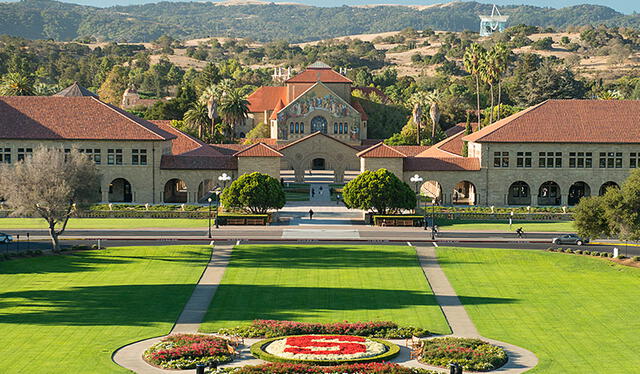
point(317, 133)
point(377, 146)
point(118, 110)
point(256, 145)
point(490, 129)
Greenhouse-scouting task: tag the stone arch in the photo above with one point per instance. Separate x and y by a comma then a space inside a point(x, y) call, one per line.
point(175, 191)
point(204, 190)
point(464, 193)
point(319, 124)
point(319, 163)
point(433, 190)
point(519, 194)
point(120, 191)
point(549, 194)
point(607, 185)
point(577, 191)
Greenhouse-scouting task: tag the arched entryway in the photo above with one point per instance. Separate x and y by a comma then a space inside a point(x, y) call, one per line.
point(318, 164)
point(319, 124)
point(175, 191)
point(464, 193)
point(549, 194)
point(519, 194)
point(577, 191)
point(205, 190)
point(606, 186)
point(433, 190)
point(120, 191)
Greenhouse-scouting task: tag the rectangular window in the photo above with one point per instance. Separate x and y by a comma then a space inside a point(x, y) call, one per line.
point(634, 160)
point(550, 160)
point(302, 127)
point(610, 160)
point(291, 128)
point(24, 153)
point(138, 157)
point(501, 159)
point(523, 159)
point(114, 156)
point(335, 127)
point(5, 155)
point(97, 156)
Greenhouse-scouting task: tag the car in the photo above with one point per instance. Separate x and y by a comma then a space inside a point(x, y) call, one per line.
point(570, 239)
point(5, 238)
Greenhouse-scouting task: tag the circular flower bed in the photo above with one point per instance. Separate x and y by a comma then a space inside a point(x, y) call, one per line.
point(184, 351)
point(324, 349)
point(471, 354)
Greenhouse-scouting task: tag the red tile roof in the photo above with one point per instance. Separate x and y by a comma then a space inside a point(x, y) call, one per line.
point(410, 150)
point(317, 133)
point(441, 164)
point(324, 75)
point(185, 144)
point(568, 121)
point(450, 146)
point(56, 117)
point(279, 107)
point(268, 141)
point(266, 98)
point(380, 150)
point(356, 105)
point(258, 150)
point(183, 162)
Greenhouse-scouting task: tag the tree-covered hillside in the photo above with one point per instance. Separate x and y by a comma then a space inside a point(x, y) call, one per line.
point(43, 19)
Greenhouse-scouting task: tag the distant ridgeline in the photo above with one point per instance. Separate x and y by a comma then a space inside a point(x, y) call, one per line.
point(44, 19)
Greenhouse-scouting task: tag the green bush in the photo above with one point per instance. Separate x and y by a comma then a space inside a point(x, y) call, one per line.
point(587, 252)
point(636, 258)
point(622, 257)
point(471, 354)
point(569, 250)
point(578, 251)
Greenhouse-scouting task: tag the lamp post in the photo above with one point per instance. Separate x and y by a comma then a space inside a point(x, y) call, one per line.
point(224, 178)
point(209, 200)
point(418, 180)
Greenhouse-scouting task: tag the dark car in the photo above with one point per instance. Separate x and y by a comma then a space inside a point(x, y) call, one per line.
point(5, 238)
point(570, 239)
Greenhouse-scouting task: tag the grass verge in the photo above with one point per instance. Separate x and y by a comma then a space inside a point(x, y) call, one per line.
point(104, 223)
point(503, 226)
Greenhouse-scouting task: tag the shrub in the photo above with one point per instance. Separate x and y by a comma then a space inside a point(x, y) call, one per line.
point(609, 254)
point(587, 252)
point(184, 351)
point(569, 250)
point(471, 354)
point(622, 257)
point(578, 251)
point(287, 368)
point(270, 328)
point(551, 249)
point(636, 258)
point(561, 250)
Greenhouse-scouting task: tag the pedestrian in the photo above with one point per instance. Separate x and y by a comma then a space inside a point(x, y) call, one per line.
point(310, 213)
point(313, 192)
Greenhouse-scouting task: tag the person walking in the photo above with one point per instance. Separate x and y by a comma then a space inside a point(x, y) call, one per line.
point(310, 213)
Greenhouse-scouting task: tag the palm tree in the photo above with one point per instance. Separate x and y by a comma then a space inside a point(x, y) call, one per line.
point(433, 98)
point(502, 54)
point(234, 108)
point(489, 73)
point(472, 58)
point(418, 101)
point(16, 84)
point(197, 117)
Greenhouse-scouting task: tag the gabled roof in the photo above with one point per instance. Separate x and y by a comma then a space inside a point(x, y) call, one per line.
point(380, 150)
point(75, 90)
point(185, 144)
point(258, 150)
point(278, 108)
point(266, 98)
point(356, 105)
point(441, 164)
point(567, 121)
point(317, 133)
point(319, 74)
point(451, 146)
point(56, 117)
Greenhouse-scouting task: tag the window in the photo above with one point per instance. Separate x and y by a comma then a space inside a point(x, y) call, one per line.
point(580, 160)
point(138, 157)
point(114, 156)
point(501, 159)
point(550, 159)
point(291, 128)
point(610, 160)
point(523, 160)
point(5, 155)
point(335, 127)
point(302, 127)
point(24, 152)
point(634, 160)
point(297, 127)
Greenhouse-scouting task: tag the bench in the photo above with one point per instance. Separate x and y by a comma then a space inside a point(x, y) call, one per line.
point(404, 222)
point(388, 222)
point(255, 221)
point(235, 221)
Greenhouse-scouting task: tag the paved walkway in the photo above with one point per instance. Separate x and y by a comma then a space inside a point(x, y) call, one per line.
point(130, 356)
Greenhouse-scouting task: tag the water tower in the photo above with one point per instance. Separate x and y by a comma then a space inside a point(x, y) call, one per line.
point(494, 22)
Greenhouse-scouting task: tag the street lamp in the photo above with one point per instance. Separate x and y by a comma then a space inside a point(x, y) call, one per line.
point(224, 178)
point(418, 181)
point(209, 200)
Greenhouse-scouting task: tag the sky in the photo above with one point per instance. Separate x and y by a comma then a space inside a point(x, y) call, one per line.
point(624, 6)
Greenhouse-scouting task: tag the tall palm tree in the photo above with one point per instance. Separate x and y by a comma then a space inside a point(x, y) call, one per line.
point(212, 97)
point(473, 56)
point(197, 117)
point(433, 98)
point(489, 73)
point(502, 54)
point(418, 101)
point(16, 84)
point(234, 109)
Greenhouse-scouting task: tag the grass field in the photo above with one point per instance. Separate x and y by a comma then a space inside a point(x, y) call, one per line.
point(503, 226)
point(104, 223)
point(68, 313)
point(324, 284)
point(577, 314)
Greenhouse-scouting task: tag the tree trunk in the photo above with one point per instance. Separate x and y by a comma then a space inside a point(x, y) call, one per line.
point(478, 99)
point(55, 244)
point(200, 132)
point(418, 132)
point(499, 98)
point(491, 111)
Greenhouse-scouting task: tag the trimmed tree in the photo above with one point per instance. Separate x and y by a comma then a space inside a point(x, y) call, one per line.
point(52, 184)
point(380, 191)
point(255, 193)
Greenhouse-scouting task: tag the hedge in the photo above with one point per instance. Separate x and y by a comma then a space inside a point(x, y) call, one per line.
point(257, 350)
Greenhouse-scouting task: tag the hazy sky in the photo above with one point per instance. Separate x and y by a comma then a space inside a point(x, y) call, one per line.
point(625, 6)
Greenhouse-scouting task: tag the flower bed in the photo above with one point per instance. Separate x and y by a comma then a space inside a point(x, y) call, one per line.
point(471, 354)
point(324, 349)
point(270, 329)
point(184, 351)
point(287, 368)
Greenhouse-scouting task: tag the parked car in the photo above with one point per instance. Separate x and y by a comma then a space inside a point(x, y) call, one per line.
point(570, 239)
point(5, 238)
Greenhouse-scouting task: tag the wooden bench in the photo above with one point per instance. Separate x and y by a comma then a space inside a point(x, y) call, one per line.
point(404, 222)
point(388, 222)
point(255, 221)
point(235, 221)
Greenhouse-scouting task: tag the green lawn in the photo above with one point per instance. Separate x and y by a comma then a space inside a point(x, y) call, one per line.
point(68, 313)
point(324, 284)
point(503, 226)
point(104, 223)
point(296, 196)
point(577, 314)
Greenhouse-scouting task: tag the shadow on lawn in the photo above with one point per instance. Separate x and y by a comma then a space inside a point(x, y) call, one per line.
point(244, 302)
point(325, 256)
point(125, 305)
